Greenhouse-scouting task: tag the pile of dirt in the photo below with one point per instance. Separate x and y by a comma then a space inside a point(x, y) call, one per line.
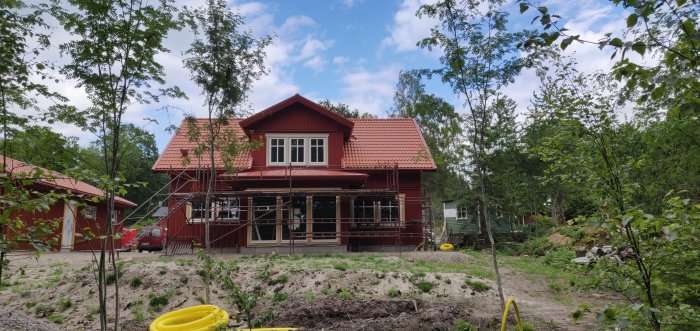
point(559, 239)
point(13, 319)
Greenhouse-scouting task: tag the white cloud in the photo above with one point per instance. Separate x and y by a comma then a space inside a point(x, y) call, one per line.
point(316, 63)
point(407, 29)
point(370, 91)
point(349, 3)
point(295, 22)
point(340, 60)
point(312, 47)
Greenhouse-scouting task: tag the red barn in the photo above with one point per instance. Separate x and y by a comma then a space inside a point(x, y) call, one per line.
point(319, 182)
point(79, 216)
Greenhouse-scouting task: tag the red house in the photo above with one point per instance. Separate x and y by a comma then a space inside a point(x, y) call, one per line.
point(78, 216)
point(319, 182)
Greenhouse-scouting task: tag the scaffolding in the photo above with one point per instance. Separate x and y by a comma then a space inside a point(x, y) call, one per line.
point(182, 238)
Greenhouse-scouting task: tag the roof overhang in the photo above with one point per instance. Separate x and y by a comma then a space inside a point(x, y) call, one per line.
point(297, 174)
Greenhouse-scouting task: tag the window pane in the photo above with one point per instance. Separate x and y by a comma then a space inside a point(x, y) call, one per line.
point(264, 218)
point(297, 149)
point(317, 150)
point(228, 209)
point(297, 222)
point(388, 211)
point(198, 210)
point(277, 150)
point(155, 232)
point(324, 218)
point(364, 211)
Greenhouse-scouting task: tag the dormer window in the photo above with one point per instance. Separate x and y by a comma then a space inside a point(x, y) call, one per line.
point(297, 149)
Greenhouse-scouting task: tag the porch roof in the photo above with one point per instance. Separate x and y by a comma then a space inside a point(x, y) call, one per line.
point(286, 173)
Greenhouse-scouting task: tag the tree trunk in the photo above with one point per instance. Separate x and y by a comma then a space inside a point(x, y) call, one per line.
point(487, 220)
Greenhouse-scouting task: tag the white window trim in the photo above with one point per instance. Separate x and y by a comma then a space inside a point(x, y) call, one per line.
point(288, 148)
point(462, 213)
point(89, 212)
point(214, 213)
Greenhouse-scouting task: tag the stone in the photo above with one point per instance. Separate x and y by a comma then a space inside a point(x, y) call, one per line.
point(595, 250)
point(581, 251)
point(581, 260)
point(607, 249)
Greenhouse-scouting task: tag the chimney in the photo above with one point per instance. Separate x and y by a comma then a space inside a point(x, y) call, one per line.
point(183, 151)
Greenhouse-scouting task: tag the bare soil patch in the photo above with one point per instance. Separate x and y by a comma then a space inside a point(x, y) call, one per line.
point(338, 292)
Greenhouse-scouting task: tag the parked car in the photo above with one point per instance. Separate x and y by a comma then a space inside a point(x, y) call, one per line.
point(152, 238)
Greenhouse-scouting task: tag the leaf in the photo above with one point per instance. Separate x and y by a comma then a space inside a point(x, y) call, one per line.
point(617, 42)
point(626, 220)
point(636, 306)
point(523, 7)
point(639, 48)
point(632, 20)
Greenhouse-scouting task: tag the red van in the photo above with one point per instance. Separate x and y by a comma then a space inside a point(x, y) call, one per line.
point(152, 238)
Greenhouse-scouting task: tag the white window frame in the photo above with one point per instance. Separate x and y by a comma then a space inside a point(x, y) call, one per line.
point(288, 148)
point(462, 213)
point(215, 208)
point(114, 216)
point(89, 212)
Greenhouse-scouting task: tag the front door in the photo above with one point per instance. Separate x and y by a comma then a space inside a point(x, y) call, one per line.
point(68, 232)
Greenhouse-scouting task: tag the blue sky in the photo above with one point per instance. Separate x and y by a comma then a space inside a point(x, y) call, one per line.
point(348, 51)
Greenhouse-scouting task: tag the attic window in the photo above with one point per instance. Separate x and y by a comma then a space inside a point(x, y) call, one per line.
point(297, 149)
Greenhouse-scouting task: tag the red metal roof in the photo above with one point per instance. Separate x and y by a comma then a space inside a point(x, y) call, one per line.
point(172, 157)
point(380, 143)
point(285, 173)
point(347, 124)
point(57, 180)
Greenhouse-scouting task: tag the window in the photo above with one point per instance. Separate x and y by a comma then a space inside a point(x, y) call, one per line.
point(297, 222)
point(197, 211)
point(277, 150)
point(156, 232)
point(318, 150)
point(364, 211)
point(462, 213)
point(379, 212)
point(264, 225)
point(89, 212)
point(297, 149)
point(324, 218)
point(114, 217)
point(388, 211)
point(227, 209)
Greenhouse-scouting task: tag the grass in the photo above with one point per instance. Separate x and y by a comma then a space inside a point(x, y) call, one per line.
point(345, 294)
point(281, 279)
point(64, 304)
point(393, 293)
point(56, 318)
point(137, 311)
point(425, 286)
point(279, 297)
point(476, 285)
point(135, 282)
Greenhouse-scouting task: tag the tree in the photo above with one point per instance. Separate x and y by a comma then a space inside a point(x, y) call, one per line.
point(138, 153)
point(113, 59)
point(479, 59)
point(224, 61)
point(40, 146)
point(344, 110)
point(20, 27)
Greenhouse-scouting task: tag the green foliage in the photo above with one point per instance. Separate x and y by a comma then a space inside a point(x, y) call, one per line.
point(462, 325)
point(137, 311)
point(560, 257)
point(279, 297)
point(345, 294)
point(537, 246)
point(393, 293)
point(425, 286)
point(476, 285)
point(281, 279)
point(135, 282)
point(64, 304)
point(56, 318)
point(344, 110)
point(340, 266)
point(157, 302)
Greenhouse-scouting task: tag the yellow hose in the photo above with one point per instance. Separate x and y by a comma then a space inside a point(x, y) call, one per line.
point(510, 302)
point(447, 247)
point(197, 318)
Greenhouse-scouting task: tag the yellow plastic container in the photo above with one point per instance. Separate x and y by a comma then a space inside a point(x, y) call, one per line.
point(447, 247)
point(269, 329)
point(197, 318)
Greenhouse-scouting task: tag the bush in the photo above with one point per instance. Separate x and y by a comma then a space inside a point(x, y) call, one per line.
point(560, 258)
point(281, 279)
point(345, 294)
point(279, 297)
point(56, 318)
point(157, 302)
point(393, 293)
point(135, 282)
point(538, 246)
point(425, 286)
point(461, 325)
point(476, 285)
point(64, 304)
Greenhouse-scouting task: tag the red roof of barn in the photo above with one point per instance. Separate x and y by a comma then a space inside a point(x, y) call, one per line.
point(57, 180)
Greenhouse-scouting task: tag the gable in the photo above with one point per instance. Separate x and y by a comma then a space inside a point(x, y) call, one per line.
point(294, 114)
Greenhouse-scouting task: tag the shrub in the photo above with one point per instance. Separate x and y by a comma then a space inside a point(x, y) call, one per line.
point(64, 304)
point(345, 294)
point(537, 246)
point(30, 304)
point(56, 318)
point(281, 279)
point(135, 282)
point(560, 258)
point(425, 286)
point(476, 285)
point(279, 297)
point(43, 310)
point(157, 302)
point(461, 325)
point(394, 293)
point(528, 326)
point(163, 271)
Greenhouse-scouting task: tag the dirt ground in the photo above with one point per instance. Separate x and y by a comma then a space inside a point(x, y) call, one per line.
point(328, 292)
